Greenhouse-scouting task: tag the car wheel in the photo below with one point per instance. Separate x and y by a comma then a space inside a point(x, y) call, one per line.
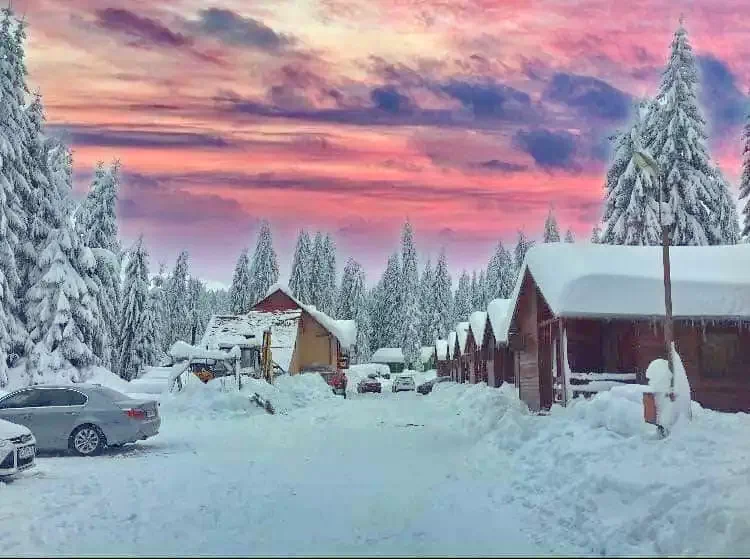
point(87, 440)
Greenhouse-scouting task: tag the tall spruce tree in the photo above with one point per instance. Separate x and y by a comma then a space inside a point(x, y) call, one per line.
point(386, 315)
point(264, 269)
point(462, 302)
point(96, 223)
point(410, 338)
point(299, 280)
point(318, 269)
point(745, 179)
point(523, 244)
point(354, 305)
point(347, 309)
point(427, 304)
point(551, 231)
point(631, 207)
point(569, 237)
point(329, 291)
point(500, 274)
point(135, 349)
point(177, 302)
point(241, 290)
point(697, 201)
point(442, 299)
point(596, 235)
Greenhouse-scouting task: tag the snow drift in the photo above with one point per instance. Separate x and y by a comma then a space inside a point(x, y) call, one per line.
point(598, 478)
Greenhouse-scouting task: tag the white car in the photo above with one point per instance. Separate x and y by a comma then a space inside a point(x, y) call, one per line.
point(405, 382)
point(17, 448)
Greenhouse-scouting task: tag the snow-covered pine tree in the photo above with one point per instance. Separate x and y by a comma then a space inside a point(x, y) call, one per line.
point(299, 280)
point(462, 301)
point(551, 231)
point(96, 222)
point(442, 299)
point(482, 284)
point(317, 270)
point(726, 209)
point(14, 190)
point(474, 287)
point(523, 244)
point(329, 292)
point(347, 308)
point(264, 269)
point(386, 315)
point(631, 206)
point(409, 296)
point(198, 311)
point(426, 304)
point(596, 235)
point(745, 179)
point(134, 350)
point(177, 302)
point(501, 274)
point(158, 306)
point(240, 293)
point(354, 305)
point(569, 237)
point(679, 145)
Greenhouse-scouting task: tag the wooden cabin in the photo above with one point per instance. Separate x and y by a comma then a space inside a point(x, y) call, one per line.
point(474, 347)
point(463, 359)
point(302, 338)
point(582, 310)
point(442, 358)
point(452, 348)
point(393, 357)
point(500, 364)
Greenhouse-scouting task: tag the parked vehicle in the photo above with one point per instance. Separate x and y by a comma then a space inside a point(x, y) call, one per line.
point(403, 382)
point(369, 384)
point(426, 387)
point(17, 449)
point(83, 418)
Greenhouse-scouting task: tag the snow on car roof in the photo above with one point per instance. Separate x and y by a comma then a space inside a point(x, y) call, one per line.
point(441, 349)
point(388, 355)
point(477, 323)
point(594, 280)
point(497, 312)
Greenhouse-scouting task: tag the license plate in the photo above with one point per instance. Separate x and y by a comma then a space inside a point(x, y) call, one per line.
point(25, 452)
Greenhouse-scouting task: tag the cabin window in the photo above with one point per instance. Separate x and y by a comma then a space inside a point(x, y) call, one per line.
point(721, 357)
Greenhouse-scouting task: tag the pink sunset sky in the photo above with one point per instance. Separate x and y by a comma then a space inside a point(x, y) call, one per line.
point(468, 116)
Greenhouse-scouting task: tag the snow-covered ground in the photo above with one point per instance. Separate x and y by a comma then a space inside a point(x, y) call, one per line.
point(462, 471)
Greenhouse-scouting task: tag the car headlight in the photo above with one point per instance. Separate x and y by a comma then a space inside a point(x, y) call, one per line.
point(4, 443)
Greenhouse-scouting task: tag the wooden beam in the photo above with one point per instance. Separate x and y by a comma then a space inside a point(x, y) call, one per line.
point(547, 322)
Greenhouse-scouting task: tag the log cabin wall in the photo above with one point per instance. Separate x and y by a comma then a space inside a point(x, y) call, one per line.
point(528, 362)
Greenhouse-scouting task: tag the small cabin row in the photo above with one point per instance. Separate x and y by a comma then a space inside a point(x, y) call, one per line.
point(586, 317)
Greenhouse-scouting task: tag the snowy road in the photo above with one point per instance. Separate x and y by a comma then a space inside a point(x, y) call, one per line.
point(371, 475)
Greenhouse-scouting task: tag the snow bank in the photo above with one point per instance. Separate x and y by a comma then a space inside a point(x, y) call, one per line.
point(217, 398)
point(598, 478)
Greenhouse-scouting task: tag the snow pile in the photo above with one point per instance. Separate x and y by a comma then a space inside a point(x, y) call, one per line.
point(597, 477)
point(388, 355)
point(220, 397)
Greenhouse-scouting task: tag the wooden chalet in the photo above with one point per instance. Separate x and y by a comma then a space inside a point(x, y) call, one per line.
point(474, 347)
point(442, 358)
point(302, 338)
point(495, 353)
point(460, 355)
point(393, 357)
point(588, 311)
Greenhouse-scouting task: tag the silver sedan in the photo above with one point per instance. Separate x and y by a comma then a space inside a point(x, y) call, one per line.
point(84, 418)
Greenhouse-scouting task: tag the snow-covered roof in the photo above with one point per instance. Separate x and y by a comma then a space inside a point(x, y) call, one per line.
point(451, 344)
point(345, 331)
point(184, 351)
point(222, 330)
point(462, 333)
point(497, 312)
point(388, 355)
point(478, 322)
point(441, 350)
point(610, 281)
point(427, 353)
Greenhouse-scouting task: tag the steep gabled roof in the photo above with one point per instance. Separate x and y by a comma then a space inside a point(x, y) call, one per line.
point(441, 350)
point(477, 324)
point(451, 344)
point(462, 334)
point(498, 315)
point(614, 281)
